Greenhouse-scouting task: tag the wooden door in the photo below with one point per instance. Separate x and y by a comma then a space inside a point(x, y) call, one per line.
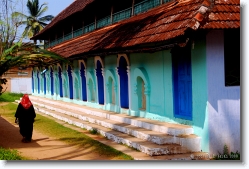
point(182, 83)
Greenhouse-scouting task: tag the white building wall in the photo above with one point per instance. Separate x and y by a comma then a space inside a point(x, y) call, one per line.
point(21, 85)
point(223, 102)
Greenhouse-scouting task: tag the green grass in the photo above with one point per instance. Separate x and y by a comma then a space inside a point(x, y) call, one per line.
point(226, 155)
point(51, 128)
point(8, 154)
point(10, 97)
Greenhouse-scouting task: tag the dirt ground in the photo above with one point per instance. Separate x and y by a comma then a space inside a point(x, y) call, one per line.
point(42, 147)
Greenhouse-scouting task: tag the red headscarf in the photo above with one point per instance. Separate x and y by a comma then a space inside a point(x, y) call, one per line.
point(25, 102)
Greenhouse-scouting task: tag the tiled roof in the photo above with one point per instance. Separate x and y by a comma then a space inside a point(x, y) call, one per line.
point(224, 14)
point(76, 6)
point(163, 23)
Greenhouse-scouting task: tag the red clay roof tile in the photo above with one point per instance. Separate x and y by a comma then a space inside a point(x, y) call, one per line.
point(163, 23)
point(76, 6)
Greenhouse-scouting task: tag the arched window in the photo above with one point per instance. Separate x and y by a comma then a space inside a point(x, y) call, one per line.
point(141, 94)
point(100, 80)
point(124, 89)
point(142, 89)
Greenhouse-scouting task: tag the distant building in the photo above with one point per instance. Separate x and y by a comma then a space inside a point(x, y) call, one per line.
point(174, 61)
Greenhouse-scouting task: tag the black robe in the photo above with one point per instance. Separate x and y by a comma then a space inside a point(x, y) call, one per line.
point(26, 119)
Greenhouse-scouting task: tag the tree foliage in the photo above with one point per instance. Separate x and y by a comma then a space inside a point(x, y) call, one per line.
point(35, 21)
point(23, 55)
point(9, 24)
point(14, 53)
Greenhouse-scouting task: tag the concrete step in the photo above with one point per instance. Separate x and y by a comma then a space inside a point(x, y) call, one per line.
point(146, 147)
point(191, 141)
point(71, 114)
point(163, 127)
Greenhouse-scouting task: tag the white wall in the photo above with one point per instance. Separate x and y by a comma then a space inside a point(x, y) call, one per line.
point(21, 85)
point(223, 102)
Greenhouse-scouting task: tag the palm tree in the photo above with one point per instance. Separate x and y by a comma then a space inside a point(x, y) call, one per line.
point(34, 22)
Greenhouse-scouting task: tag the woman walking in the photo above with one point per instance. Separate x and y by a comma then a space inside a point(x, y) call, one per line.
point(25, 114)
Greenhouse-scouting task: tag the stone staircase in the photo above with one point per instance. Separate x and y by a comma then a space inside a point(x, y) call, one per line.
point(151, 137)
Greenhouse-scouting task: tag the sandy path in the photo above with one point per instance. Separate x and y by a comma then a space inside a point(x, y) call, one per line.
point(42, 147)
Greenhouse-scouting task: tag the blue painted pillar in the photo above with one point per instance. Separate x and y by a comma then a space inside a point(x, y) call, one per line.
point(83, 82)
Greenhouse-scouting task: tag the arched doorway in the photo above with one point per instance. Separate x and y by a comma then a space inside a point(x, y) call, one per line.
point(100, 80)
point(124, 89)
point(70, 79)
point(52, 81)
point(83, 80)
point(60, 82)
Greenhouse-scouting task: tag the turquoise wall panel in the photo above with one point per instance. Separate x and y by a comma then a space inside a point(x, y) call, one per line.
point(199, 92)
point(158, 68)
